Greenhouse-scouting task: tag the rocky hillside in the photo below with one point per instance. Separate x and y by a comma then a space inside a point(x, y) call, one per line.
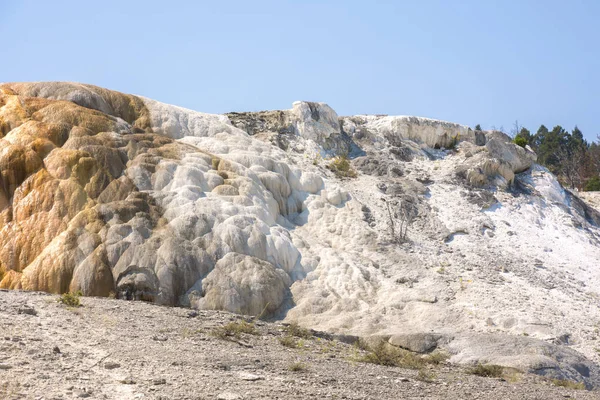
point(379, 226)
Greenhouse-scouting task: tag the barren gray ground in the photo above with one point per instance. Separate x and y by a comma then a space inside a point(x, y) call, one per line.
point(114, 349)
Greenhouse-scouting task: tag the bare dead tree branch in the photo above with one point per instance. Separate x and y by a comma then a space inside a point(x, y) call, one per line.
point(401, 215)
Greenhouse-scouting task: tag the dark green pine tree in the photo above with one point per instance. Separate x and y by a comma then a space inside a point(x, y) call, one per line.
point(576, 140)
point(593, 184)
point(538, 139)
point(550, 144)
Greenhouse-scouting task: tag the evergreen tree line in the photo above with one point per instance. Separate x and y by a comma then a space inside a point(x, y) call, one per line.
point(574, 160)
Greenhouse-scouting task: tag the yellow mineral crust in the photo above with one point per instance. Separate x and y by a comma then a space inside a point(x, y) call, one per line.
point(106, 192)
point(58, 161)
point(77, 163)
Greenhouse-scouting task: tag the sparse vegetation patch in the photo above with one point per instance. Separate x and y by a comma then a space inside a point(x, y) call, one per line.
point(235, 330)
point(288, 341)
point(384, 353)
point(296, 330)
point(341, 167)
point(487, 370)
point(568, 384)
point(425, 376)
point(297, 367)
point(71, 299)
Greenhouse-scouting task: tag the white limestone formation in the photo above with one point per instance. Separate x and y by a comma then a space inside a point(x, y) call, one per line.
point(111, 193)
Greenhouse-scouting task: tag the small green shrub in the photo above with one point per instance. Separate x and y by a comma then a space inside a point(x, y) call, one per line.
point(71, 299)
point(568, 384)
point(487, 370)
point(520, 141)
point(381, 354)
point(234, 330)
point(386, 354)
point(341, 167)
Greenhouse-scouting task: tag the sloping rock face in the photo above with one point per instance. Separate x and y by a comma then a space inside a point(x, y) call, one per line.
point(444, 233)
point(98, 195)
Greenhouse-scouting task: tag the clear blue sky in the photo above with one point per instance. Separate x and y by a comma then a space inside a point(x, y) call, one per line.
point(487, 62)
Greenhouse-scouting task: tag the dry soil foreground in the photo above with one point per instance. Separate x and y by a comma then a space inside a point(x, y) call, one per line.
point(114, 349)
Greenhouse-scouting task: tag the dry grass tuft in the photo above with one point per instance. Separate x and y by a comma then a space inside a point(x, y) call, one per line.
point(425, 376)
point(297, 367)
point(288, 341)
point(568, 384)
point(487, 370)
point(436, 358)
point(235, 330)
point(296, 330)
